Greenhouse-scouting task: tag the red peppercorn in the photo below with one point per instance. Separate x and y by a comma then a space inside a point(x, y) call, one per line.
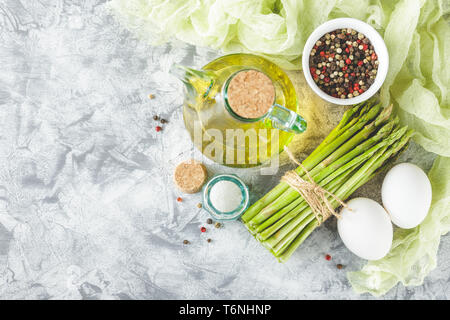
point(347, 50)
point(315, 76)
point(179, 199)
point(312, 70)
point(158, 128)
point(356, 85)
point(360, 90)
point(360, 63)
point(203, 229)
point(365, 47)
point(328, 257)
point(326, 79)
point(346, 75)
point(348, 61)
point(344, 68)
point(352, 74)
point(322, 53)
point(358, 41)
point(373, 56)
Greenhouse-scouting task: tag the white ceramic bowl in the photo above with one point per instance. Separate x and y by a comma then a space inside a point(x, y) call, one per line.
point(379, 47)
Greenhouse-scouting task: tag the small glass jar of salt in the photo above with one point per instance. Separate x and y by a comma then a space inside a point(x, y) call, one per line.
point(225, 197)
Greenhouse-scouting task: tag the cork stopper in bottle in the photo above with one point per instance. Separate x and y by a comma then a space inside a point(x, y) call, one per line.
point(250, 94)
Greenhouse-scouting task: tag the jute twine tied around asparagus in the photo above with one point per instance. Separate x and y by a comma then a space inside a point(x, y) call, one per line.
point(312, 193)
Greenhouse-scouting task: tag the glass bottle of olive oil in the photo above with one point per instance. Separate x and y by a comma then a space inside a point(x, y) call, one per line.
point(226, 136)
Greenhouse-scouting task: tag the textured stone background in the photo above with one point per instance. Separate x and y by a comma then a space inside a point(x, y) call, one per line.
point(87, 207)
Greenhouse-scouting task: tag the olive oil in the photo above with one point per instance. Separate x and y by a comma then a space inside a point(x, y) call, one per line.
point(220, 134)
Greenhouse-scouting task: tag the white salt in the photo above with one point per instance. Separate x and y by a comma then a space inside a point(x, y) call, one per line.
point(225, 196)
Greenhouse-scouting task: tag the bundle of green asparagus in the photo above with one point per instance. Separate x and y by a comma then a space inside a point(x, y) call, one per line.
point(366, 141)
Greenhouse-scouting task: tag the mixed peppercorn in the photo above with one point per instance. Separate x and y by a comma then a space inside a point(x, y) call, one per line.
point(343, 63)
point(158, 118)
point(161, 120)
point(203, 229)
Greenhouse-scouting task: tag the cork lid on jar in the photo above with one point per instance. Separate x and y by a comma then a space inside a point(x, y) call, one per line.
point(190, 176)
point(250, 94)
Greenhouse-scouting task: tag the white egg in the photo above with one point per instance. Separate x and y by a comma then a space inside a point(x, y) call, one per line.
point(366, 229)
point(406, 194)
